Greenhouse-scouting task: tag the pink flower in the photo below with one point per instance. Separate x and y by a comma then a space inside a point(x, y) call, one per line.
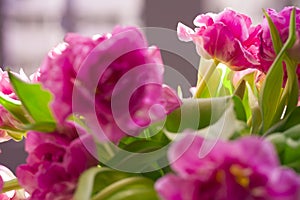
point(7, 120)
point(55, 162)
point(59, 69)
point(114, 80)
point(228, 37)
point(281, 21)
point(246, 168)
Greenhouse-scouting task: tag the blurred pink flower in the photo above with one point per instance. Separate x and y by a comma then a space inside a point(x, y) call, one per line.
point(228, 37)
point(115, 77)
point(281, 21)
point(246, 168)
point(55, 162)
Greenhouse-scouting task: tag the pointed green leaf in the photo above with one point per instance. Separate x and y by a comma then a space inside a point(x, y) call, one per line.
point(34, 98)
point(272, 110)
point(276, 40)
point(292, 119)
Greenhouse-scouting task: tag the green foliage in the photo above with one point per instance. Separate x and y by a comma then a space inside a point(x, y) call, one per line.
point(108, 184)
point(287, 144)
point(35, 100)
point(196, 113)
point(272, 110)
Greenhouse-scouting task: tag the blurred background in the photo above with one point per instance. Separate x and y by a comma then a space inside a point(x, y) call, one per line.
point(30, 28)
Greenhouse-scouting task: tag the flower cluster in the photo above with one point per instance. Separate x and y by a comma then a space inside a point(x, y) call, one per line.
point(99, 122)
point(230, 38)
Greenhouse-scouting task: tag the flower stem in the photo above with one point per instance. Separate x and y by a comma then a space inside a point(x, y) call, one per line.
point(11, 185)
point(204, 78)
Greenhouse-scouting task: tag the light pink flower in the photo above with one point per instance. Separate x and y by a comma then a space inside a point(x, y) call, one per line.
point(228, 37)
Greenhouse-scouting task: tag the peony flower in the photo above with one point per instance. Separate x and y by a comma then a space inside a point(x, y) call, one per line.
point(229, 37)
point(114, 80)
point(281, 21)
point(247, 168)
point(54, 163)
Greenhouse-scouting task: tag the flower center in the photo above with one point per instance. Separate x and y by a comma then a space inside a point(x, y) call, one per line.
point(241, 175)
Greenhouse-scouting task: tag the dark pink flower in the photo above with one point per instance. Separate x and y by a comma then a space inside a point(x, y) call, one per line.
point(55, 162)
point(114, 80)
point(228, 37)
point(281, 21)
point(246, 168)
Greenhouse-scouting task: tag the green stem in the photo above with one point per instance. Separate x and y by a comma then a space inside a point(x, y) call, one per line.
point(204, 78)
point(11, 185)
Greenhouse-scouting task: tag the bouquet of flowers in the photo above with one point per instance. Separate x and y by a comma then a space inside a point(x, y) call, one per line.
point(99, 123)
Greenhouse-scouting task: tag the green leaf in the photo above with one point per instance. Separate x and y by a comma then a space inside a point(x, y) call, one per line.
point(270, 94)
point(131, 188)
point(34, 98)
point(276, 40)
point(239, 109)
point(287, 144)
point(291, 90)
point(15, 134)
point(96, 179)
point(14, 107)
point(43, 126)
point(196, 113)
point(221, 129)
point(256, 117)
point(108, 184)
point(205, 72)
point(292, 119)
point(271, 88)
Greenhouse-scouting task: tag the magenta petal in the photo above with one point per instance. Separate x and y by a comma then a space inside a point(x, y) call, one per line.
point(26, 177)
point(1, 183)
point(284, 185)
point(171, 187)
point(169, 99)
point(257, 152)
